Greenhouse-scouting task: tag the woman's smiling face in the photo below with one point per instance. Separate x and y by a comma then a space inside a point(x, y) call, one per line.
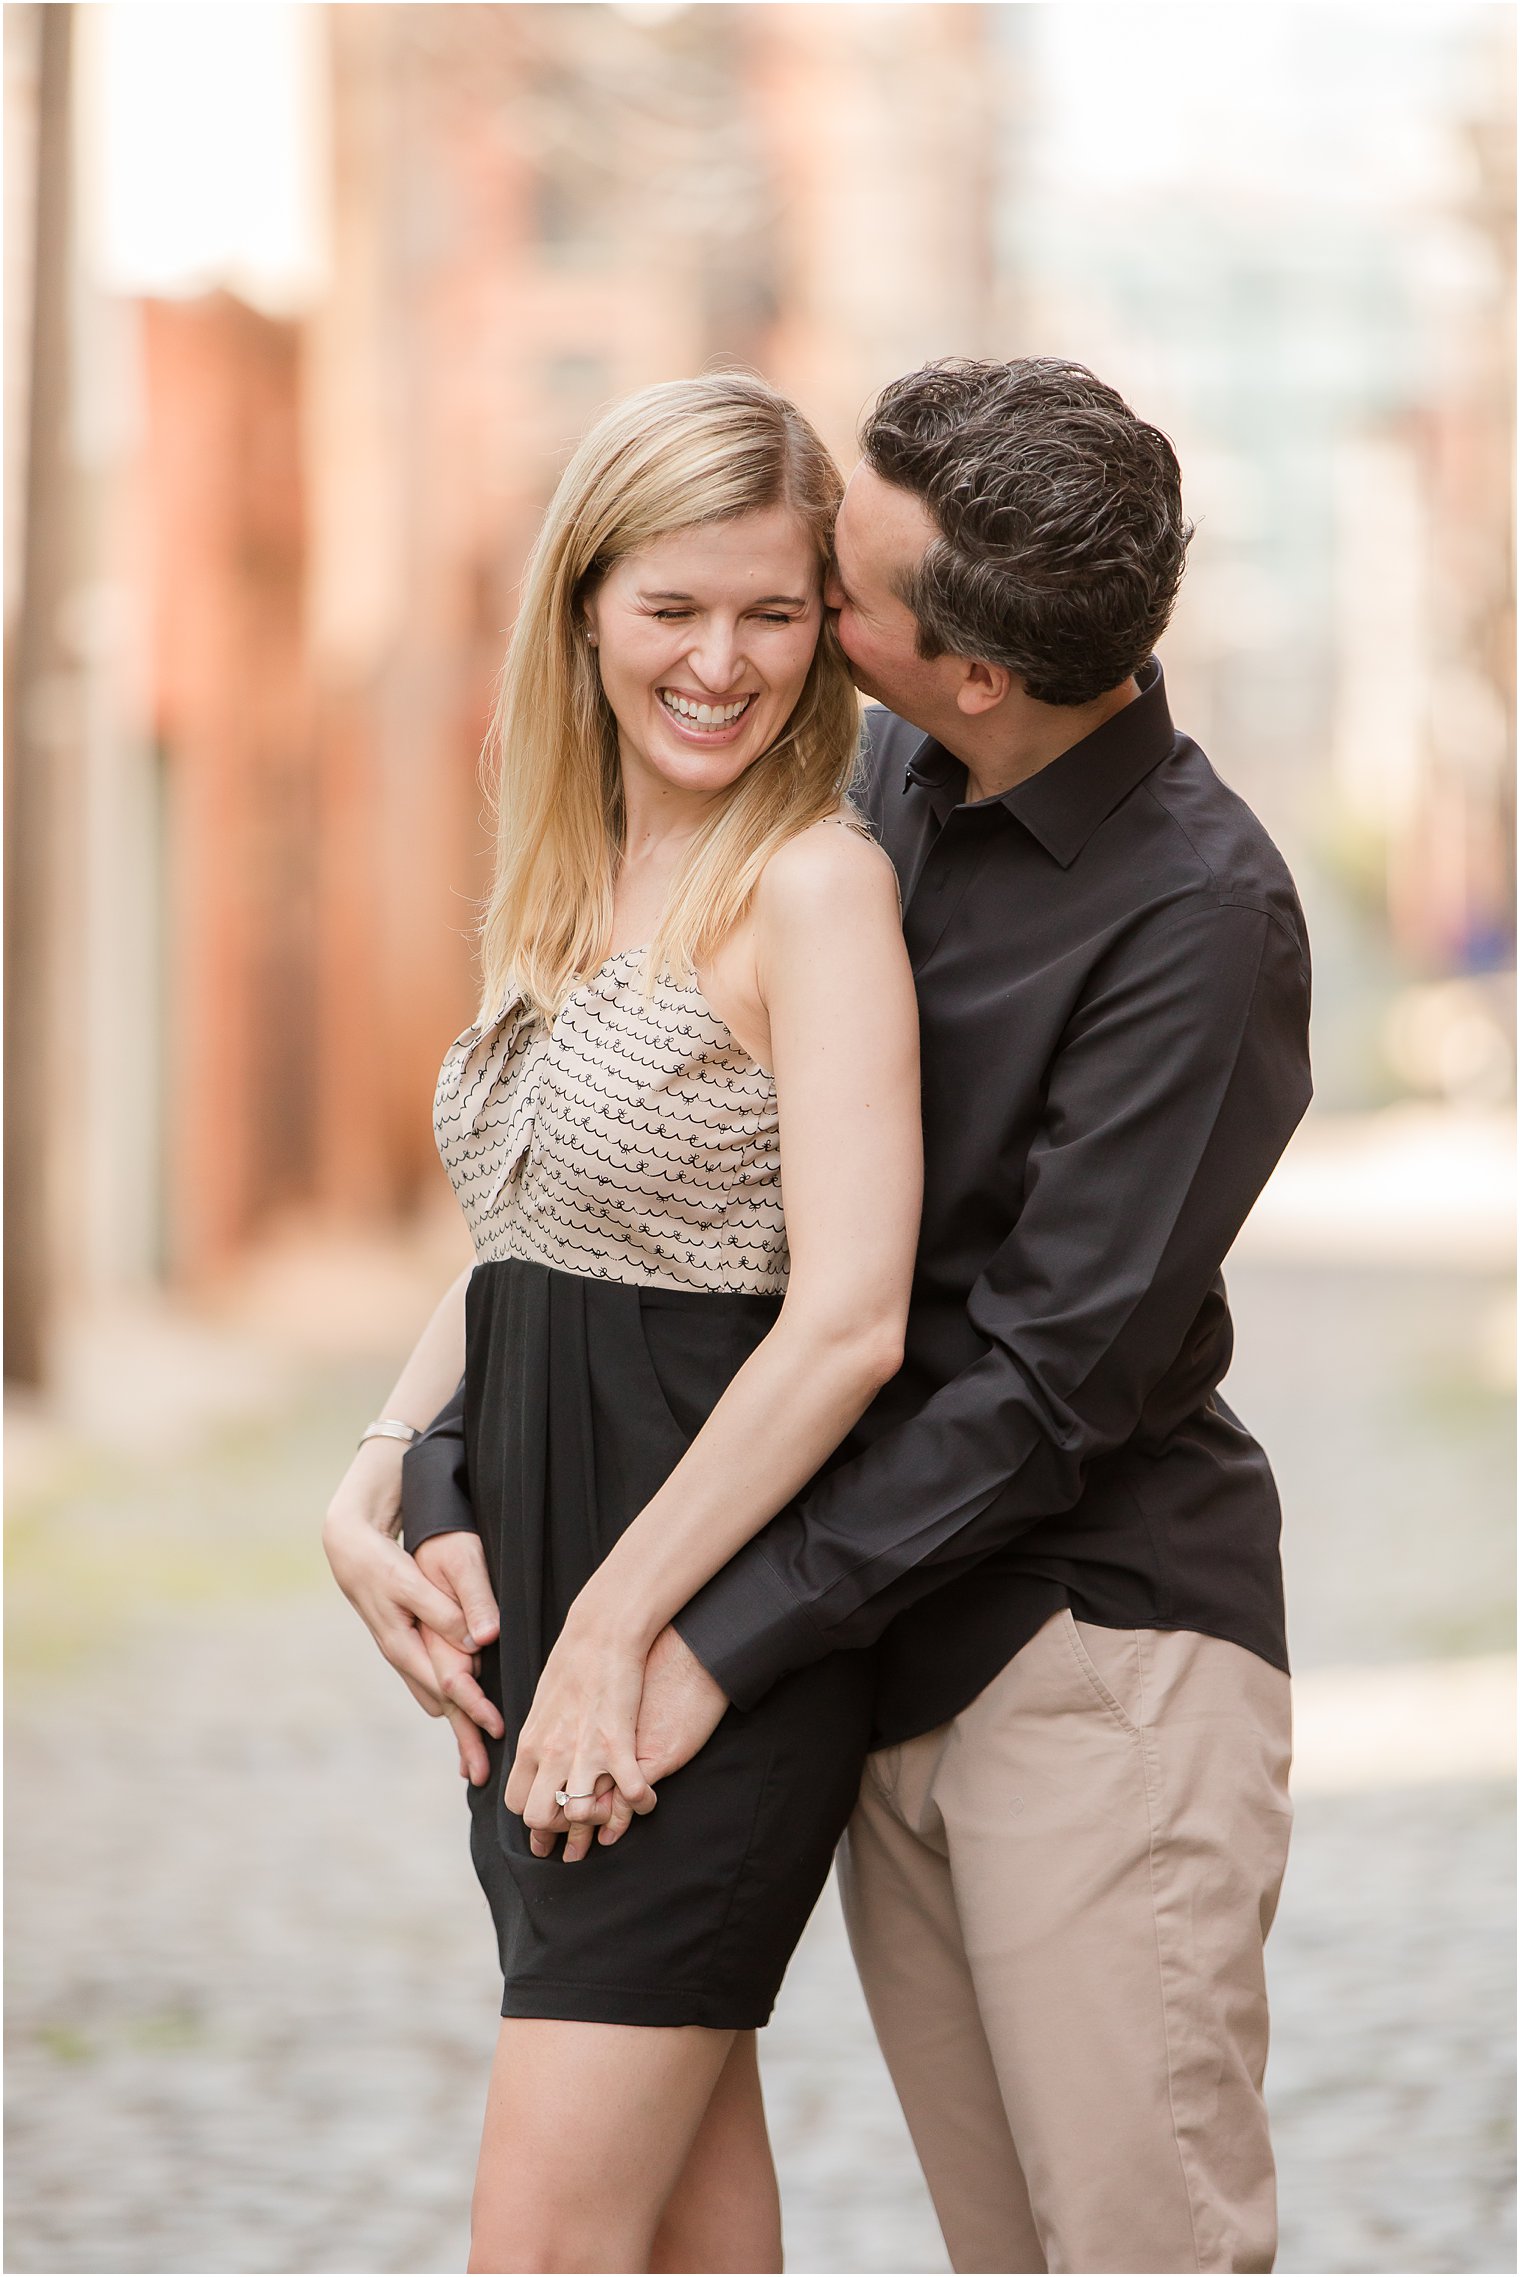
point(704, 638)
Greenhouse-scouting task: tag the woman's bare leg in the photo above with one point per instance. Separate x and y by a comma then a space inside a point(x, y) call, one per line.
point(725, 2212)
point(586, 2131)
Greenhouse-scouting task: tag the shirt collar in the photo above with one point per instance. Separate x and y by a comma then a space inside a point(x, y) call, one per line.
point(1064, 803)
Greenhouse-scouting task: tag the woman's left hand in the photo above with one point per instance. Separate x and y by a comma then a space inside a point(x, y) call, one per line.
point(579, 1739)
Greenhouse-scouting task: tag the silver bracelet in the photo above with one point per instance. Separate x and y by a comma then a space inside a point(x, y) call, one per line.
point(389, 1427)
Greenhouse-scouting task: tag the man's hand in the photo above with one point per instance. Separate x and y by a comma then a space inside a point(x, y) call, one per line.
point(682, 1706)
point(455, 1563)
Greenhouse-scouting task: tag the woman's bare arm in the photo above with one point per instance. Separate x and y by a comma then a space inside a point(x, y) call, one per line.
point(834, 977)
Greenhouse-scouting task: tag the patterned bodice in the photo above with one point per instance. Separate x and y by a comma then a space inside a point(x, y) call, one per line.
point(634, 1141)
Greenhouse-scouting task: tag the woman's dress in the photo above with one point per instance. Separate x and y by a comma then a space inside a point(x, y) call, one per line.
point(620, 1174)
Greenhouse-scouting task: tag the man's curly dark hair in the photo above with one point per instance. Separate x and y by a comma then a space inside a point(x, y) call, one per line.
point(1062, 536)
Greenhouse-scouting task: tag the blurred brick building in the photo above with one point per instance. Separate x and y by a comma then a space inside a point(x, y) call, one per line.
point(315, 526)
point(261, 560)
point(1423, 720)
point(1426, 710)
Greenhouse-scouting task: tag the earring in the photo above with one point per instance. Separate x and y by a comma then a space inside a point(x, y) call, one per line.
point(590, 637)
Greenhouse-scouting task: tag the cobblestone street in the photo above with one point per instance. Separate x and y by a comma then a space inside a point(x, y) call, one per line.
point(252, 1989)
point(486, 482)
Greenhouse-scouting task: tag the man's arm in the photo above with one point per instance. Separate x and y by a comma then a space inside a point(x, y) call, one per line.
point(435, 1495)
point(436, 1510)
point(1179, 1082)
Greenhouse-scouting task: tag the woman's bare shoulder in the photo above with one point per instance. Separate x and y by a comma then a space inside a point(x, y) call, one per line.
point(835, 856)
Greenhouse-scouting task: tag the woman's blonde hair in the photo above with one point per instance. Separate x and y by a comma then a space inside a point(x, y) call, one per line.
point(670, 457)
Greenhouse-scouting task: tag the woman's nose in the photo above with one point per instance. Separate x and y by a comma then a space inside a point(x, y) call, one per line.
point(717, 659)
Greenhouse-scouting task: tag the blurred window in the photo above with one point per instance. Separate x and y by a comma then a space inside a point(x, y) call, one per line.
point(570, 208)
point(582, 380)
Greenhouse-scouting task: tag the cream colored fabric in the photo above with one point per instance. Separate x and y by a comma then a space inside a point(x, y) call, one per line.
point(1058, 1903)
point(635, 1141)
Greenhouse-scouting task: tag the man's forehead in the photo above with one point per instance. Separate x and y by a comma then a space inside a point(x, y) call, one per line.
point(884, 524)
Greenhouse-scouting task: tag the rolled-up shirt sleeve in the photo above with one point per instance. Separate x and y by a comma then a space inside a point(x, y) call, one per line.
point(1181, 1076)
point(435, 1493)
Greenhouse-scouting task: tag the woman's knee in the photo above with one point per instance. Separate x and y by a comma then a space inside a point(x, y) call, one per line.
point(537, 2236)
point(708, 2240)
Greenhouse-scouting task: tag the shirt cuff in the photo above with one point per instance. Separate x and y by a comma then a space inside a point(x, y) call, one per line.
point(435, 1494)
point(747, 1630)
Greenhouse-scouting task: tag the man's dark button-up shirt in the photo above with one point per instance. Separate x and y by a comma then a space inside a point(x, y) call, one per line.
point(1113, 985)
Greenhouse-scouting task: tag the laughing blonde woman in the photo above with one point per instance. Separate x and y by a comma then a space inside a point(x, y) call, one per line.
point(695, 998)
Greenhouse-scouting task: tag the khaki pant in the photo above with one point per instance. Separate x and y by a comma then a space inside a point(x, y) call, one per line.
point(1057, 1903)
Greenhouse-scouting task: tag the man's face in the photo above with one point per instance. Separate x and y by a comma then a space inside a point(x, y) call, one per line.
point(879, 539)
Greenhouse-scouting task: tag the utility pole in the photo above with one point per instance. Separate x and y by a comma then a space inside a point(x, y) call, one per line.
point(40, 720)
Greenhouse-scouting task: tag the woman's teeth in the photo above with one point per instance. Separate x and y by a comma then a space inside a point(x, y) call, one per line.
point(704, 715)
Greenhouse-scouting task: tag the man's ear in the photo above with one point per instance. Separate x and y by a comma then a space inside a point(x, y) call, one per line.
point(983, 687)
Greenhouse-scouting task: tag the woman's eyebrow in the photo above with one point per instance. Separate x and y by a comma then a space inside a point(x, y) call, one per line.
point(767, 601)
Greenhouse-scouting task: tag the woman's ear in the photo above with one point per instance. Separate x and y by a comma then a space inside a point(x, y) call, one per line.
point(983, 688)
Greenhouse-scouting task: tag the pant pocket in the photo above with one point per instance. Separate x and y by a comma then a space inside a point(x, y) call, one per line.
point(1094, 1679)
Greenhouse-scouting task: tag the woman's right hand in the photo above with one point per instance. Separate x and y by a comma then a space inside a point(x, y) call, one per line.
point(387, 1588)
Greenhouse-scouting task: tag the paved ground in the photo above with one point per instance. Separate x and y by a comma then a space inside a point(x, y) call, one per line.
point(252, 1996)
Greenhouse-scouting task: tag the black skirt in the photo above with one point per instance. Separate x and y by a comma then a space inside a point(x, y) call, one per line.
point(580, 1397)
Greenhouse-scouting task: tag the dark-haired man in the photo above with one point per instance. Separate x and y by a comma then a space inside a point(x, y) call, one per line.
point(1059, 1540)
